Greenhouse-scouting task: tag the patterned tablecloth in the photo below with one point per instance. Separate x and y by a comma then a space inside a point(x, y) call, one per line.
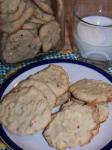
point(6, 70)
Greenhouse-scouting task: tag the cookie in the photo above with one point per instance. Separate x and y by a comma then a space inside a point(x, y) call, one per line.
point(29, 26)
point(75, 122)
point(13, 6)
point(9, 6)
point(92, 91)
point(44, 6)
point(12, 27)
point(20, 46)
point(49, 35)
point(20, 35)
point(25, 112)
point(103, 111)
point(7, 17)
point(39, 14)
point(55, 78)
point(46, 91)
point(36, 20)
point(96, 115)
point(63, 98)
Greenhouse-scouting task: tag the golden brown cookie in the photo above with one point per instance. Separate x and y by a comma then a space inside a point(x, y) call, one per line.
point(6, 16)
point(72, 126)
point(20, 46)
point(103, 109)
point(25, 112)
point(45, 90)
point(49, 35)
point(55, 77)
point(13, 5)
point(12, 27)
point(39, 14)
point(36, 20)
point(92, 91)
point(44, 6)
point(29, 26)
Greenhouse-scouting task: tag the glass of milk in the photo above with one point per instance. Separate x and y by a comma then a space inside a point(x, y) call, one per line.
point(92, 29)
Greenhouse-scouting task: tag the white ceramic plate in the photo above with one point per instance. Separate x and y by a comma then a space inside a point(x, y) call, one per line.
point(76, 71)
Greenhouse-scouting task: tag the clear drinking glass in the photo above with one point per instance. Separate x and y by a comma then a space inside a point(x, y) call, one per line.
point(92, 29)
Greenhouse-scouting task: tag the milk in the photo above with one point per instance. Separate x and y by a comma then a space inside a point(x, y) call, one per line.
point(93, 37)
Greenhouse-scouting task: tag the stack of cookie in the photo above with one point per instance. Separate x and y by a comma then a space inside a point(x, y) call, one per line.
point(79, 119)
point(28, 107)
point(28, 27)
point(83, 107)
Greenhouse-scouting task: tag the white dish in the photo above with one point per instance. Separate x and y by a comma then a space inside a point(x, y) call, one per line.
point(76, 71)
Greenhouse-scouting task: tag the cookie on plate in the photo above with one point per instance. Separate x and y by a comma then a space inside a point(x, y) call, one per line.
point(55, 77)
point(103, 109)
point(72, 126)
point(24, 112)
point(92, 91)
point(45, 90)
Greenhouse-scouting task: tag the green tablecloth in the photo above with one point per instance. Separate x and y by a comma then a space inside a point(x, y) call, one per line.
point(6, 70)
